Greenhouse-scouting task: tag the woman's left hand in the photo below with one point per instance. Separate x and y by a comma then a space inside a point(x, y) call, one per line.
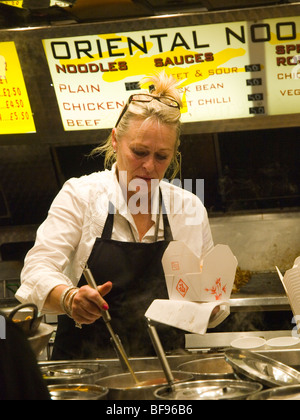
point(214, 312)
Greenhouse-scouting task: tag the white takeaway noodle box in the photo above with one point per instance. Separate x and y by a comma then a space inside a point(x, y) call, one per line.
point(190, 279)
point(195, 288)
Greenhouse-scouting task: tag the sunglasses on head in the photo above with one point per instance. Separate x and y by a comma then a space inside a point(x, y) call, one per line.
point(144, 97)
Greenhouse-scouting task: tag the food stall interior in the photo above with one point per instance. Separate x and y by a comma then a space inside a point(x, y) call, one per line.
point(250, 166)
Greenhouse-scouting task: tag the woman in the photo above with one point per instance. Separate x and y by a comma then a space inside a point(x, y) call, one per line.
point(119, 222)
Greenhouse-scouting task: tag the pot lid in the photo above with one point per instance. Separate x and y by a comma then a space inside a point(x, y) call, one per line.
point(221, 389)
point(71, 370)
point(291, 392)
point(261, 368)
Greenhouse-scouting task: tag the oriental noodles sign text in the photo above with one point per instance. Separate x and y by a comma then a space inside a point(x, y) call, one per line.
point(226, 70)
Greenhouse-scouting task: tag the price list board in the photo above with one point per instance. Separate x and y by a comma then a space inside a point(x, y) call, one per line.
point(233, 70)
point(15, 110)
point(17, 3)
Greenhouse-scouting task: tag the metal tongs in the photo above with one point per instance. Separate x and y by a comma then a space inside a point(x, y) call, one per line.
point(160, 353)
point(106, 318)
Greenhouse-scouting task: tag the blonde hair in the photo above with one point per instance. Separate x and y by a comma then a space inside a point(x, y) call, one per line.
point(161, 85)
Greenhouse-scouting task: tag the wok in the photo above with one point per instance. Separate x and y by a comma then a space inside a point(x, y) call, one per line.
point(28, 323)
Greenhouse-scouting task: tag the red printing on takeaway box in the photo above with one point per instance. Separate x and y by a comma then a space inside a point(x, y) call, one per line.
point(217, 289)
point(182, 288)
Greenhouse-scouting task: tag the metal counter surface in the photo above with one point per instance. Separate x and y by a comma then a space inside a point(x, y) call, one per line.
point(287, 355)
point(264, 292)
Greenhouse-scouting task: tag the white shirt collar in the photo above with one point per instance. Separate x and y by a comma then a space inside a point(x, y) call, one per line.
point(116, 197)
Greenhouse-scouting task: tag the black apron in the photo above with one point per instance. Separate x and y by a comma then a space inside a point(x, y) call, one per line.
point(137, 275)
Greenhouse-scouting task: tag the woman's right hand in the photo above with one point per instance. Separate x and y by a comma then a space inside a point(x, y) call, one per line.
point(88, 303)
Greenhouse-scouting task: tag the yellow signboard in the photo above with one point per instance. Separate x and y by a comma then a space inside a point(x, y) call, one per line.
point(15, 111)
point(227, 70)
point(18, 4)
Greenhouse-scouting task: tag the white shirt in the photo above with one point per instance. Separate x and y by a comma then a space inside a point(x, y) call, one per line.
point(76, 218)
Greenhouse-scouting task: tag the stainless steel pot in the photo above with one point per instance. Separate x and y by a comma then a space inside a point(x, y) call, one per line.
point(37, 332)
point(41, 338)
point(77, 392)
point(208, 368)
point(220, 389)
point(28, 321)
point(123, 387)
point(85, 372)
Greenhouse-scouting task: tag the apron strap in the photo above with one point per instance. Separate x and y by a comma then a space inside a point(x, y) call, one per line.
point(108, 227)
point(167, 228)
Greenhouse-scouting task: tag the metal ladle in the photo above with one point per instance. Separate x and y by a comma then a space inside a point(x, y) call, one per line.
point(106, 317)
point(160, 353)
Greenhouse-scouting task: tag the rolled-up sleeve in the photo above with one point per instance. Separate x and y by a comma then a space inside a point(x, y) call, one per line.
point(56, 242)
